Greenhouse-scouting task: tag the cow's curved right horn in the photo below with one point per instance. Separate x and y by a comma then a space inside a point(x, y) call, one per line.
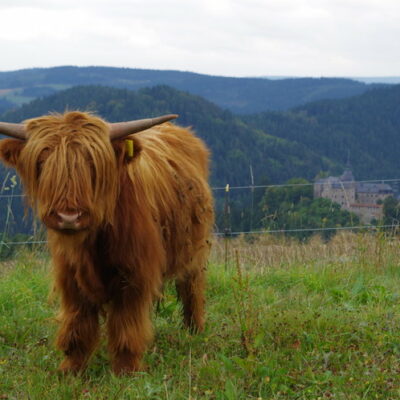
point(120, 129)
point(14, 130)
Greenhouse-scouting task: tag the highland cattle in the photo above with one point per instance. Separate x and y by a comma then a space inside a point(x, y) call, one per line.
point(126, 207)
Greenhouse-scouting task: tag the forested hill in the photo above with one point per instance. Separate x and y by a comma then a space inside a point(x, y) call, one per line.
point(365, 129)
point(318, 137)
point(239, 95)
point(234, 145)
point(302, 142)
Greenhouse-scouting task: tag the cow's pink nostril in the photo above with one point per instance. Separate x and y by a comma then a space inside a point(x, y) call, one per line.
point(69, 218)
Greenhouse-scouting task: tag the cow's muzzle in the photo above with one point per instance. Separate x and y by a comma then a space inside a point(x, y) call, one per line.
point(67, 221)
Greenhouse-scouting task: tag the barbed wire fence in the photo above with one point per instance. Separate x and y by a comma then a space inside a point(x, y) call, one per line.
point(11, 206)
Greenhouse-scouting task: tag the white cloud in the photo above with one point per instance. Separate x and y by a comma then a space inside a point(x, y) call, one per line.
point(230, 37)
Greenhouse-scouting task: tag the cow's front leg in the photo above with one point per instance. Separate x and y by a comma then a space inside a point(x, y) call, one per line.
point(77, 337)
point(129, 328)
point(79, 330)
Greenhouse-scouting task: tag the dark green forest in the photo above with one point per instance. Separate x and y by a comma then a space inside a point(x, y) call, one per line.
point(364, 129)
point(234, 145)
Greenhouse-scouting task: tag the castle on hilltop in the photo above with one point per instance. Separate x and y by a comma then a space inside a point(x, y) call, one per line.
point(362, 198)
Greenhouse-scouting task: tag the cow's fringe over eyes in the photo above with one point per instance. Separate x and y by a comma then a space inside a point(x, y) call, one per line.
point(69, 160)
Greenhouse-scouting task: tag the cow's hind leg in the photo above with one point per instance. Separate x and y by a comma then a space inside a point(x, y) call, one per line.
point(129, 329)
point(190, 290)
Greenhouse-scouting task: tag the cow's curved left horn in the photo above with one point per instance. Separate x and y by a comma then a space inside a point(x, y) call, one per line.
point(14, 130)
point(120, 129)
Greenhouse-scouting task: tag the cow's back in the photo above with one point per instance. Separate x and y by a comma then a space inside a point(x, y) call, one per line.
point(172, 172)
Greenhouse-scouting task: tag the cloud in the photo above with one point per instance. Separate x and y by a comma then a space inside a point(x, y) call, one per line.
point(229, 37)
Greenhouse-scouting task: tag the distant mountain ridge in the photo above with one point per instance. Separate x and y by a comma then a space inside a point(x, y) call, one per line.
point(379, 79)
point(389, 80)
point(239, 95)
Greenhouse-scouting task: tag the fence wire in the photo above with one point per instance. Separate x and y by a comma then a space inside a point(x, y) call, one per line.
point(228, 232)
point(283, 185)
point(338, 228)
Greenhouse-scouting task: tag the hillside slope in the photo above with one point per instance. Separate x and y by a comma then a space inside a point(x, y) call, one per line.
point(364, 130)
point(239, 95)
point(234, 145)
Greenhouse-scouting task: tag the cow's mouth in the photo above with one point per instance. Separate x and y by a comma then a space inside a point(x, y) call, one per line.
point(69, 231)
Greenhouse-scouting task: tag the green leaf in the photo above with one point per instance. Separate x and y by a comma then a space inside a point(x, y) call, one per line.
point(230, 390)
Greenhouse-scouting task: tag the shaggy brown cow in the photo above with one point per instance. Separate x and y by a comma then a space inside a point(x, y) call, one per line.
point(119, 223)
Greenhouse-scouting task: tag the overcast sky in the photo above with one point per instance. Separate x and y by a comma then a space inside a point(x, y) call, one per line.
point(221, 37)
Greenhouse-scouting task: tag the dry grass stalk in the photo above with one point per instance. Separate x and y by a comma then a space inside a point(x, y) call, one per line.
point(263, 252)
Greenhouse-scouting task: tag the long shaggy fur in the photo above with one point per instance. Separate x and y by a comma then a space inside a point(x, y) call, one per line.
point(149, 218)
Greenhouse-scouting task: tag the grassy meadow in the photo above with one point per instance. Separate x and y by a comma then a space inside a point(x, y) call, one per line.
point(285, 320)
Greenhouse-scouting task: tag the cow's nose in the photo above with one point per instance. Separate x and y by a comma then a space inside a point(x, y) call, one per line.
point(70, 218)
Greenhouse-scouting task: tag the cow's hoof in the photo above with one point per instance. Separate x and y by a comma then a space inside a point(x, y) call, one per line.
point(126, 365)
point(70, 367)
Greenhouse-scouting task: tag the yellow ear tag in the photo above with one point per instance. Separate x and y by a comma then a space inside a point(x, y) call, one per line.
point(129, 147)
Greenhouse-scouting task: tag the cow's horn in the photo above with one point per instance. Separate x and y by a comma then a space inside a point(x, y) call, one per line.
point(14, 130)
point(120, 129)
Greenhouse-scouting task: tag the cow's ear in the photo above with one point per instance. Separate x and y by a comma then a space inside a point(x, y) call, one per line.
point(10, 150)
point(127, 150)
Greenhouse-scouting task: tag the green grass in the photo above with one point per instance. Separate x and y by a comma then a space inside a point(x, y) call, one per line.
point(310, 330)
